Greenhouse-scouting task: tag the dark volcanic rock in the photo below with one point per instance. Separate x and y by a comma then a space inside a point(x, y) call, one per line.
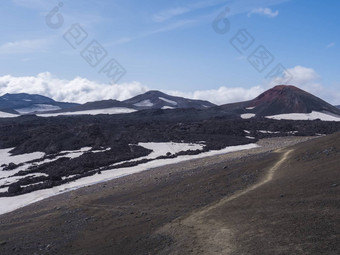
point(10, 166)
point(14, 188)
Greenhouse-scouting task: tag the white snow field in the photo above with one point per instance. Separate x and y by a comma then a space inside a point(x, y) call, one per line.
point(8, 204)
point(114, 110)
point(38, 108)
point(7, 115)
point(144, 103)
point(168, 101)
point(167, 107)
point(269, 132)
point(6, 158)
point(247, 115)
point(305, 116)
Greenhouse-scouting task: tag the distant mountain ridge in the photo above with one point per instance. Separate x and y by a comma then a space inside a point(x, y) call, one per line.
point(154, 99)
point(30, 104)
point(24, 103)
point(280, 100)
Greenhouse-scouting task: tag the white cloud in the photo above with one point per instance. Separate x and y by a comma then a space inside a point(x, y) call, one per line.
point(264, 11)
point(332, 44)
point(24, 46)
point(77, 90)
point(222, 95)
point(309, 80)
point(83, 90)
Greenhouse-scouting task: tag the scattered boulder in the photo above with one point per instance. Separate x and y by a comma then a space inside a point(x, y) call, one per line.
point(10, 166)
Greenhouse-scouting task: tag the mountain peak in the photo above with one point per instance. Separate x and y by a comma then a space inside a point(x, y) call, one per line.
point(290, 99)
point(282, 87)
point(25, 103)
point(283, 99)
point(154, 99)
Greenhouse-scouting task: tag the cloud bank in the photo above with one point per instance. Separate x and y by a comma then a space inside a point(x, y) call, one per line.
point(78, 90)
point(82, 90)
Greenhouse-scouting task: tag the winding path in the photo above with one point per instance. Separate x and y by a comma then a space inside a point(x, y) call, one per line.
point(202, 233)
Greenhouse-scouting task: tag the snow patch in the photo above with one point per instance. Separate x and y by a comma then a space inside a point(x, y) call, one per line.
point(305, 116)
point(269, 132)
point(250, 108)
point(8, 204)
point(7, 115)
point(115, 110)
point(13, 179)
point(248, 115)
point(161, 149)
point(6, 177)
point(38, 108)
point(144, 103)
point(167, 107)
point(6, 157)
point(168, 101)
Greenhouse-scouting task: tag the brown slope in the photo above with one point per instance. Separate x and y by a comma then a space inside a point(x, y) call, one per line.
point(283, 99)
point(293, 210)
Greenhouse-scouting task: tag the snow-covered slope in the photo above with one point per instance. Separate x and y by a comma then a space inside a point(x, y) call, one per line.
point(7, 115)
point(115, 110)
point(8, 204)
point(306, 116)
point(154, 99)
point(144, 103)
point(24, 103)
point(38, 108)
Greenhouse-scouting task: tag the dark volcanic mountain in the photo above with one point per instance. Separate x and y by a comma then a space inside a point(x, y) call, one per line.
point(27, 103)
point(282, 99)
point(157, 100)
point(278, 100)
point(338, 106)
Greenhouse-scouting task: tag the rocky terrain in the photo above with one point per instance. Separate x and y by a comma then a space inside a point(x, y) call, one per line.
point(279, 198)
point(113, 142)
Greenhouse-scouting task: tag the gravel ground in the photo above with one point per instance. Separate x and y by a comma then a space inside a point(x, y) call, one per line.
point(124, 216)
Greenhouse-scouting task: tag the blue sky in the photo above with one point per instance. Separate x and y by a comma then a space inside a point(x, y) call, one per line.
point(171, 46)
